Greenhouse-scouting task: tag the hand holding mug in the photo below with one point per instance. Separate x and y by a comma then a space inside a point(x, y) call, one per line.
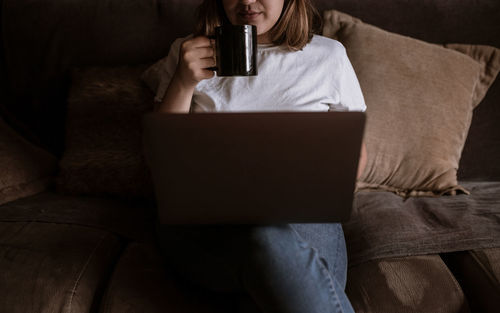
point(196, 57)
point(235, 54)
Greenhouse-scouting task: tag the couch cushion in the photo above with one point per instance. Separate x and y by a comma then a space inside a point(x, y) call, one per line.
point(25, 169)
point(408, 284)
point(478, 271)
point(47, 267)
point(103, 154)
point(125, 218)
point(419, 99)
point(142, 283)
point(489, 260)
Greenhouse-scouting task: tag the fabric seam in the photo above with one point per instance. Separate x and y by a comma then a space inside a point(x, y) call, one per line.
point(80, 275)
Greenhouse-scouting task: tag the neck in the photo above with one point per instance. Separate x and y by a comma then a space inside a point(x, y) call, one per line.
point(263, 38)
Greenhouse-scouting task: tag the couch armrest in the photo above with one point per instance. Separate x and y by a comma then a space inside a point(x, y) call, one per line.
point(25, 168)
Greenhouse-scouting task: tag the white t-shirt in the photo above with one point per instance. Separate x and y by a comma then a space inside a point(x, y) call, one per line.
point(319, 77)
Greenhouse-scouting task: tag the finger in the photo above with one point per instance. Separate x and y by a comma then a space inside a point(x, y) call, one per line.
point(197, 42)
point(206, 74)
point(207, 62)
point(205, 52)
point(196, 56)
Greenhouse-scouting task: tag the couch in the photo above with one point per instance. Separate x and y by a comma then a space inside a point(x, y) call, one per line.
point(77, 207)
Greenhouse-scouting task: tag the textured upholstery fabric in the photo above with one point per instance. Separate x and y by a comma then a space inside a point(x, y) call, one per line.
point(138, 283)
point(384, 225)
point(415, 284)
point(489, 259)
point(457, 21)
point(478, 272)
point(419, 99)
point(103, 154)
point(141, 283)
point(24, 168)
point(48, 267)
point(125, 218)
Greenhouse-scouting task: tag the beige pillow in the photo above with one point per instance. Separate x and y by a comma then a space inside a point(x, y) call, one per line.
point(419, 98)
point(103, 149)
point(25, 169)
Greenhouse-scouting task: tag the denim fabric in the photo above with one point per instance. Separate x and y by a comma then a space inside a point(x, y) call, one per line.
point(292, 268)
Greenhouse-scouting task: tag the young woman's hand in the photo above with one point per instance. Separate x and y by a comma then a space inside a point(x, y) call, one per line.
point(195, 56)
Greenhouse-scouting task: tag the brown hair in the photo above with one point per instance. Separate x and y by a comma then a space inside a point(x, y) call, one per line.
point(298, 22)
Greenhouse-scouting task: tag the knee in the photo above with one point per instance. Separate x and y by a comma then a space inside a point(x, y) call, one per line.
point(273, 244)
point(268, 237)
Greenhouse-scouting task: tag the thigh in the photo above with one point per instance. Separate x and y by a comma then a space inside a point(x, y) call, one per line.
point(205, 255)
point(328, 239)
point(212, 255)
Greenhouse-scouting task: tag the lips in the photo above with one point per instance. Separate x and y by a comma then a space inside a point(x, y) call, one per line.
point(249, 15)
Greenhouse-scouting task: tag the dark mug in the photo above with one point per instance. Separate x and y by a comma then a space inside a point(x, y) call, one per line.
point(235, 50)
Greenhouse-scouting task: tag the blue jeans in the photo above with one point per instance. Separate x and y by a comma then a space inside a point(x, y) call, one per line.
point(292, 268)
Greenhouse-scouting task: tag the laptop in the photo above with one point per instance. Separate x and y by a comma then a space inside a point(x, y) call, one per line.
point(253, 168)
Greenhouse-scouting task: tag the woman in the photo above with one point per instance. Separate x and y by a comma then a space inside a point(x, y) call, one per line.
point(282, 268)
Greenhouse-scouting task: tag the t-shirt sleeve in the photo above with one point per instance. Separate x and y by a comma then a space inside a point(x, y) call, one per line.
point(158, 76)
point(350, 94)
